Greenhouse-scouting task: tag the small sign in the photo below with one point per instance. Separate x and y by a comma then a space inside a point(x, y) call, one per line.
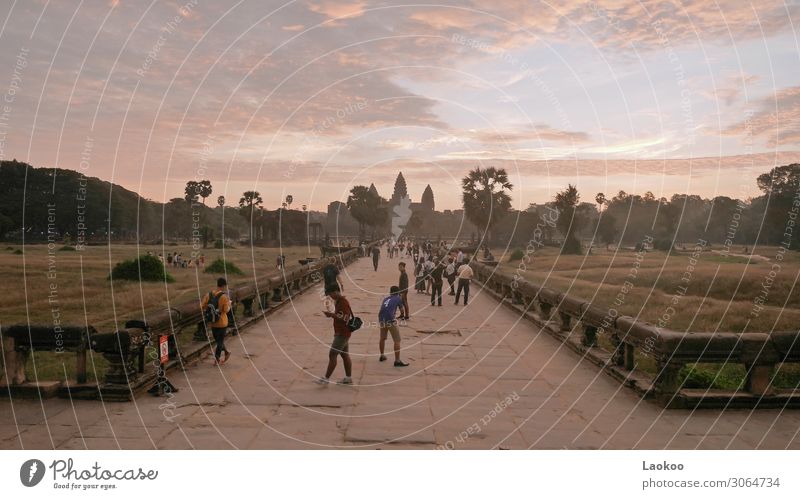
point(163, 346)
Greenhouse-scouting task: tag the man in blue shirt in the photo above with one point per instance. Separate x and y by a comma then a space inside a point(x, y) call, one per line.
point(387, 318)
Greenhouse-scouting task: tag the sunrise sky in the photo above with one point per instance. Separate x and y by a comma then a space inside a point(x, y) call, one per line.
point(312, 97)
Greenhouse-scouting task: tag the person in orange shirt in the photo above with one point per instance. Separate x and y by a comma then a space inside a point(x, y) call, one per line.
point(220, 301)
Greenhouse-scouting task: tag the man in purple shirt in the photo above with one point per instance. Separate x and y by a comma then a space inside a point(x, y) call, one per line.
point(387, 318)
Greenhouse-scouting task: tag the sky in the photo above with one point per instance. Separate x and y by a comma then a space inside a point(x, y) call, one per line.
point(310, 98)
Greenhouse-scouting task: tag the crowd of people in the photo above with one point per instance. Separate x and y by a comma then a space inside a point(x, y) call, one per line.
point(177, 260)
point(432, 264)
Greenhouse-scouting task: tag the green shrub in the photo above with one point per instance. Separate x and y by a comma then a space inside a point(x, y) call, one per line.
point(9, 248)
point(67, 247)
point(517, 254)
point(144, 268)
point(662, 244)
point(17, 251)
point(571, 246)
point(220, 266)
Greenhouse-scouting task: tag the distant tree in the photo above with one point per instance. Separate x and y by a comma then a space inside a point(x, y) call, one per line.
point(221, 201)
point(600, 199)
point(781, 186)
point(781, 180)
point(289, 200)
point(248, 204)
point(204, 189)
point(485, 197)
point(569, 220)
point(367, 208)
point(190, 192)
point(607, 228)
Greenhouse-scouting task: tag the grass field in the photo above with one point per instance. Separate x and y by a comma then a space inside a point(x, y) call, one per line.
point(83, 294)
point(715, 293)
point(712, 292)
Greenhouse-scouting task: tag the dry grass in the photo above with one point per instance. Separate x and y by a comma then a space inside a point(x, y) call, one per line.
point(718, 296)
point(85, 295)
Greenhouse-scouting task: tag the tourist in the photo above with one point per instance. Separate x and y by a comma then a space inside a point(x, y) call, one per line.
point(331, 275)
point(419, 277)
point(387, 318)
point(464, 277)
point(450, 272)
point(460, 257)
point(215, 307)
point(403, 285)
point(341, 314)
point(376, 254)
point(436, 281)
point(202, 260)
point(428, 268)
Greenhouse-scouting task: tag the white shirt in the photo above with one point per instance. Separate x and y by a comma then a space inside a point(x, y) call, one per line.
point(465, 272)
point(460, 256)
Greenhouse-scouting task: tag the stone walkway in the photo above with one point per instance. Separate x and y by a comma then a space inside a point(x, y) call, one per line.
point(479, 378)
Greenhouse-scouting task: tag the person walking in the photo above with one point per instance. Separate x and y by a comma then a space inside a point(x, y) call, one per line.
point(450, 272)
point(331, 275)
point(215, 307)
point(388, 324)
point(376, 254)
point(403, 285)
point(436, 281)
point(465, 275)
point(340, 346)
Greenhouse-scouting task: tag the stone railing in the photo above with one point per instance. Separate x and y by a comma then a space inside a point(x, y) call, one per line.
point(618, 344)
point(124, 350)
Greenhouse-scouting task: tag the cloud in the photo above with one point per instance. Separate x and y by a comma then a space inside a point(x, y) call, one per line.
point(335, 9)
point(524, 133)
point(776, 121)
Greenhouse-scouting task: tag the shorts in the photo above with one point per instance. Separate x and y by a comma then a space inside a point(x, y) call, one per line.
point(340, 344)
point(390, 328)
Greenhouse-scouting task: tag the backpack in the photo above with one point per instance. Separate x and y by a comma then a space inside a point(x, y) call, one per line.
point(212, 313)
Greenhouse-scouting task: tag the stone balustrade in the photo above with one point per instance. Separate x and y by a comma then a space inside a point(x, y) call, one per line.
point(124, 350)
point(619, 344)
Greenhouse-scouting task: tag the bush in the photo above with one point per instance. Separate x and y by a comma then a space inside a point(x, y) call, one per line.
point(517, 254)
point(662, 244)
point(144, 268)
point(67, 247)
point(9, 248)
point(18, 251)
point(220, 244)
point(220, 266)
point(571, 246)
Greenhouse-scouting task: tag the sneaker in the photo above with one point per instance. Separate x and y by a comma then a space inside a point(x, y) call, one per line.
point(322, 381)
point(381, 358)
point(347, 380)
point(400, 363)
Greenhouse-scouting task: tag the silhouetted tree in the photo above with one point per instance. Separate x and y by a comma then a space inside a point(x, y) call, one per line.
point(485, 198)
point(569, 221)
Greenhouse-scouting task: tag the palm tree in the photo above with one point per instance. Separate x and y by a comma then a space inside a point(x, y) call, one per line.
point(204, 189)
point(600, 199)
point(485, 198)
point(569, 222)
point(249, 201)
point(190, 192)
